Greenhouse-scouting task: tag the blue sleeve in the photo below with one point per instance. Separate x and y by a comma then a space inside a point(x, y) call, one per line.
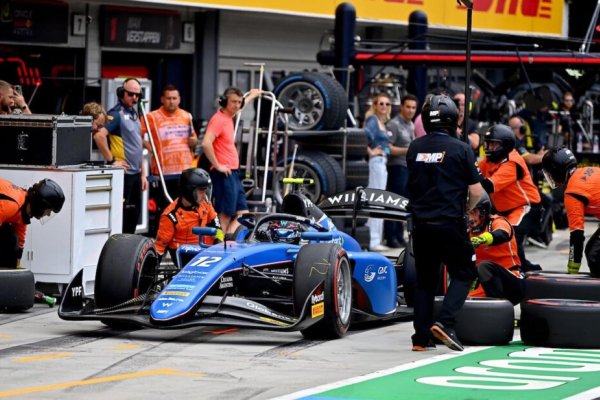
point(371, 127)
point(114, 123)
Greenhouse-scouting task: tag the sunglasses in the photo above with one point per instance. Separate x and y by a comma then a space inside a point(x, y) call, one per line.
point(384, 104)
point(133, 94)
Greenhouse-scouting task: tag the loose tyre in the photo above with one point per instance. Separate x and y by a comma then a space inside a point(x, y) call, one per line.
point(560, 323)
point(312, 165)
point(17, 288)
point(328, 263)
point(483, 321)
point(556, 285)
point(125, 269)
point(316, 100)
point(356, 143)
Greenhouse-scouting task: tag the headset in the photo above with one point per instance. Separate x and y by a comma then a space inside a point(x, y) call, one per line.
point(121, 89)
point(222, 100)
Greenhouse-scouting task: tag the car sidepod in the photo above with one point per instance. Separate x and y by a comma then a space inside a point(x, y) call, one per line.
point(377, 286)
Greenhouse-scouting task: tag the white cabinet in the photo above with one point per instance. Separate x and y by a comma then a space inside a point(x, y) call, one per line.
point(72, 239)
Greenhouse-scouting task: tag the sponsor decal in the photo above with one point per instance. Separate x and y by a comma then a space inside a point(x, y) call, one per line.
point(162, 311)
point(166, 304)
point(317, 298)
point(264, 310)
point(226, 282)
point(317, 310)
point(77, 291)
point(277, 270)
point(177, 299)
point(431, 158)
point(370, 274)
point(372, 196)
point(273, 321)
point(378, 273)
point(173, 293)
point(181, 287)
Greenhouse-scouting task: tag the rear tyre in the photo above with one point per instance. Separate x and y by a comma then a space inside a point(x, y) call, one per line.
point(125, 270)
point(17, 288)
point(326, 264)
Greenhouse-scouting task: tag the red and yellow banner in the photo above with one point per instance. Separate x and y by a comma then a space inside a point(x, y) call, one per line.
point(536, 17)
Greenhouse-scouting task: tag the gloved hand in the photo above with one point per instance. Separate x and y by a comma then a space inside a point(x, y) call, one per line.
point(484, 238)
point(573, 267)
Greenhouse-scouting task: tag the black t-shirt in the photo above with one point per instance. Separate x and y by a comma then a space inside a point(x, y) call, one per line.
point(440, 170)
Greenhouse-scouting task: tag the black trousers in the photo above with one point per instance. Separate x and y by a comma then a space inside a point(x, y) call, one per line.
point(500, 283)
point(9, 252)
point(436, 244)
point(528, 224)
point(592, 253)
point(132, 201)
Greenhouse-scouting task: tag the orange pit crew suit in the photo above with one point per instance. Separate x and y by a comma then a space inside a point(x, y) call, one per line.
point(177, 221)
point(13, 223)
point(498, 265)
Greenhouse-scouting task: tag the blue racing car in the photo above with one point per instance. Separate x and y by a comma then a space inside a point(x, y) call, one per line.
point(285, 271)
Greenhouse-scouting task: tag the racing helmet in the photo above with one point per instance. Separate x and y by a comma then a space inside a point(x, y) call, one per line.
point(478, 220)
point(285, 231)
point(43, 196)
point(503, 135)
point(440, 114)
point(558, 165)
point(192, 179)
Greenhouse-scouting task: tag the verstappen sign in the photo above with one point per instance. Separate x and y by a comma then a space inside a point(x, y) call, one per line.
point(540, 17)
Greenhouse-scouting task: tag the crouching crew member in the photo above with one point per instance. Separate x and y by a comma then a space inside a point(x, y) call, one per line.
point(498, 264)
point(582, 196)
point(193, 208)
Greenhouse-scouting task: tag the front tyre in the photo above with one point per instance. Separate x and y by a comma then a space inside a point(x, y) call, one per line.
point(327, 264)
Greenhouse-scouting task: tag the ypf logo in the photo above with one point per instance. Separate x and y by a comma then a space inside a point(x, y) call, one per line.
point(526, 8)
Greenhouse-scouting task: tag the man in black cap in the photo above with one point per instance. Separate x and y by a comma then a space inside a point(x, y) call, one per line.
point(443, 184)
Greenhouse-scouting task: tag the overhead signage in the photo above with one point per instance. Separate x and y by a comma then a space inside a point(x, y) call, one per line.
point(141, 28)
point(34, 21)
point(539, 17)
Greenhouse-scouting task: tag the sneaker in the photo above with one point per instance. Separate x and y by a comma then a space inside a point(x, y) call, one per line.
point(537, 243)
point(429, 346)
point(380, 247)
point(447, 336)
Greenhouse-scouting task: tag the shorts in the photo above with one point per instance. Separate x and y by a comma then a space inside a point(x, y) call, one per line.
point(228, 192)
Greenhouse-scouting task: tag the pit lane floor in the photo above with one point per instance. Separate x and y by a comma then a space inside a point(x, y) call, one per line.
point(44, 357)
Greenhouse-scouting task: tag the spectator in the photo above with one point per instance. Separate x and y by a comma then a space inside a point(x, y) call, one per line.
point(403, 132)
point(498, 265)
point(219, 147)
point(473, 134)
point(174, 136)
point(582, 197)
point(120, 142)
point(17, 207)
point(192, 208)
point(378, 149)
point(99, 119)
point(7, 98)
point(567, 119)
point(419, 129)
point(508, 182)
point(443, 181)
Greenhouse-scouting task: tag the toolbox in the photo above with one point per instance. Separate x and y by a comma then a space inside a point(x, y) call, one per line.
point(45, 140)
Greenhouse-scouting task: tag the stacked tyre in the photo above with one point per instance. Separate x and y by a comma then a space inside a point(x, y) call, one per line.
point(320, 105)
point(561, 310)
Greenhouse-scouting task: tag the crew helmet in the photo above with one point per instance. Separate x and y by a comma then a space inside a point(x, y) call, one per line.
point(484, 205)
point(503, 135)
point(192, 179)
point(558, 165)
point(440, 113)
point(43, 196)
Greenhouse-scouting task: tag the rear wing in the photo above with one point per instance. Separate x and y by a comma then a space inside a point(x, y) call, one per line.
point(366, 202)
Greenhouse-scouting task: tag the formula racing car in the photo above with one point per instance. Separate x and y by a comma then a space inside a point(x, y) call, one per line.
point(285, 271)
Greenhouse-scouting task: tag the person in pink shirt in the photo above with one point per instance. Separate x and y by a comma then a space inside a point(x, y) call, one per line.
point(219, 147)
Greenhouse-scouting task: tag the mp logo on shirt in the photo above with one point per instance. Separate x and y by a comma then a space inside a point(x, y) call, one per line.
point(431, 158)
